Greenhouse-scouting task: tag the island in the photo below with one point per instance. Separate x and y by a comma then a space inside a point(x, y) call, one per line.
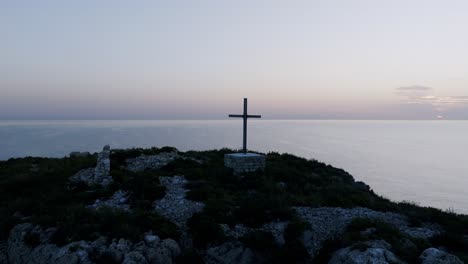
point(161, 205)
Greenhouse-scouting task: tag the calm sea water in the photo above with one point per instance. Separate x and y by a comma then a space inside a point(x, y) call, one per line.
point(420, 161)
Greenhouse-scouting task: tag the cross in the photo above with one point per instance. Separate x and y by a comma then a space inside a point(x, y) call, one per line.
point(245, 116)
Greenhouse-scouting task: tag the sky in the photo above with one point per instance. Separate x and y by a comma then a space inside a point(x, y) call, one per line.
point(330, 59)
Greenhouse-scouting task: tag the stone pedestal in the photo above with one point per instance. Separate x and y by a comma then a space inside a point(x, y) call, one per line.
point(241, 162)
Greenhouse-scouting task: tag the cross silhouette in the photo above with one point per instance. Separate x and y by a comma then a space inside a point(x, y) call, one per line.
point(245, 116)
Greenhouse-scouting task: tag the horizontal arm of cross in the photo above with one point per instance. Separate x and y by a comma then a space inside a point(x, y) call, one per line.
point(248, 116)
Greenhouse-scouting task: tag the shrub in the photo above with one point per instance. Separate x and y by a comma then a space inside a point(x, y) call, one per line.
point(204, 231)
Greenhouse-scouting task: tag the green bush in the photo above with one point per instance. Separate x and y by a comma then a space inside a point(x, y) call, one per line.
point(204, 231)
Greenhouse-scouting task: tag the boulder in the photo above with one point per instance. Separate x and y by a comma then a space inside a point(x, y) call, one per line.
point(3, 252)
point(28, 243)
point(229, 253)
point(436, 256)
point(377, 252)
point(134, 257)
point(172, 246)
point(151, 240)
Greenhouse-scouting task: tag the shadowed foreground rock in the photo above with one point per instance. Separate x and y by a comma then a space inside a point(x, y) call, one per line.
point(377, 252)
point(328, 223)
point(436, 256)
point(28, 243)
point(229, 253)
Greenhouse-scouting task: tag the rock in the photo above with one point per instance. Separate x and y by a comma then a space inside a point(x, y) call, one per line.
point(19, 250)
point(172, 246)
point(117, 201)
point(436, 256)
point(229, 253)
point(425, 232)
point(328, 223)
point(100, 175)
point(159, 255)
point(173, 205)
point(152, 162)
point(151, 240)
point(377, 252)
point(134, 257)
point(117, 250)
point(3, 252)
point(38, 250)
point(86, 176)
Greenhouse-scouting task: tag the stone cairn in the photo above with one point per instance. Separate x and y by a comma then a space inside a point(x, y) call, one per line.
point(102, 170)
point(100, 175)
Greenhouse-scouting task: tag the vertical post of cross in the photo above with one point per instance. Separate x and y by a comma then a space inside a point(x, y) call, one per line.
point(245, 127)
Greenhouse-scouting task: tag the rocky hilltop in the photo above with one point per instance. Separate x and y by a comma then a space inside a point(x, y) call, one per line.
point(160, 205)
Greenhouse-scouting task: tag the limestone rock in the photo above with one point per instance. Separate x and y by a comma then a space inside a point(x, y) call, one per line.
point(144, 162)
point(119, 200)
point(436, 256)
point(378, 252)
point(86, 176)
point(327, 223)
point(134, 257)
point(173, 205)
point(150, 239)
point(100, 175)
point(172, 246)
point(21, 248)
point(229, 253)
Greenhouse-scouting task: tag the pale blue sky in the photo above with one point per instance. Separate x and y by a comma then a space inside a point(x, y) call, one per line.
point(348, 59)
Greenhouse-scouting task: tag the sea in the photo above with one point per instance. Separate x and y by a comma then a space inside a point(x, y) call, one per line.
point(424, 162)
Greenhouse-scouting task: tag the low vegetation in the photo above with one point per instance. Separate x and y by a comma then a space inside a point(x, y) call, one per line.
point(37, 190)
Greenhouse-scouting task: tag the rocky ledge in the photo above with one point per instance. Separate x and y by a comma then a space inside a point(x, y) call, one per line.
point(28, 243)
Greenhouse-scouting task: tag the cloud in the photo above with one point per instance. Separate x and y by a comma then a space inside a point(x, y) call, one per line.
point(425, 96)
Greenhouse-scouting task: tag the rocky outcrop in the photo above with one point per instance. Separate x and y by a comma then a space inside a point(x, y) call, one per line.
point(275, 228)
point(119, 200)
point(28, 243)
point(100, 175)
point(152, 162)
point(174, 205)
point(436, 256)
point(327, 223)
point(229, 253)
point(376, 252)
